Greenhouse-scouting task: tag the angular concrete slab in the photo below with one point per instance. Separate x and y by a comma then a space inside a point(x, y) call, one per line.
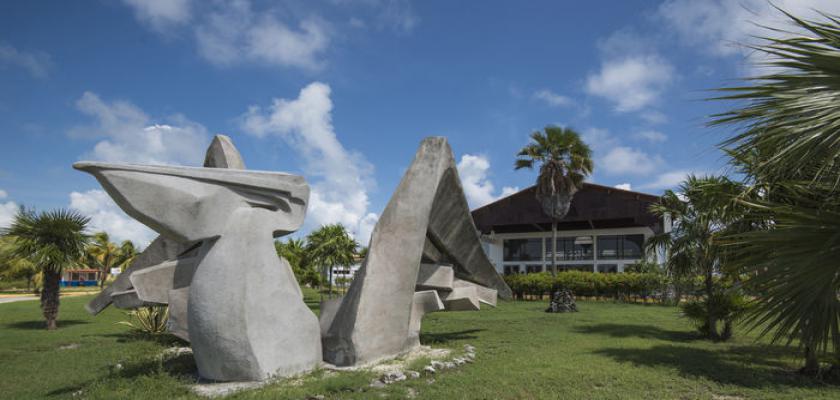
point(435, 277)
point(485, 295)
point(154, 283)
point(462, 299)
point(178, 323)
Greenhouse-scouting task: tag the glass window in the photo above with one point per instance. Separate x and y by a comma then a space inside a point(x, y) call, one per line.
point(572, 248)
point(608, 268)
point(632, 246)
point(614, 247)
point(511, 269)
point(523, 249)
point(608, 247)
point(533, 268)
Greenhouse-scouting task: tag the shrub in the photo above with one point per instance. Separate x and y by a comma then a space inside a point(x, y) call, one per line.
point(616, 286)
point(726, 306)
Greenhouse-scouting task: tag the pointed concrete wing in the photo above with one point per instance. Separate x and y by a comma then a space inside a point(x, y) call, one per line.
point(221, 154)
point(373, 320)
point(171, 199)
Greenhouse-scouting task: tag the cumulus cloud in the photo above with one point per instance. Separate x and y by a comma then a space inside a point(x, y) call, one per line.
point(669, 180)
point(36, 63)
point(473, 171)
point(106, 216)
point(341, 177)
point(234, 34)
point(8, 210)
point(161, 14)
point(132, 136)
point(720, 27)
point(631, 83)
point(624, 186)
point(623, 160)
point(652, 136)
point(553, 99)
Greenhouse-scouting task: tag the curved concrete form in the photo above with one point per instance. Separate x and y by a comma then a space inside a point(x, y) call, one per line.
point(245, 312)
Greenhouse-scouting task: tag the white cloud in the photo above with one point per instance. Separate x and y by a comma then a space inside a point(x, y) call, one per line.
point(719, 27)
point(339, 192)
point(652, 136)
point(106, 216)
point(624, 186)
point(8, 210)
point(599, 139)
point(629, 161)
point(161, 14)
point(398, 15)
point(131, 135)
point(631, 82)
point(553, 99)
point(235, 34)
point(654, 117)
point(473, 171)
point(37, 63)
point(668, 180)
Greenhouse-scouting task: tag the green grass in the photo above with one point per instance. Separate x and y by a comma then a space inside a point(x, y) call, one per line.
point(606, 351)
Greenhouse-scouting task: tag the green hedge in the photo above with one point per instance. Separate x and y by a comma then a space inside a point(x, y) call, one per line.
point(616, 286)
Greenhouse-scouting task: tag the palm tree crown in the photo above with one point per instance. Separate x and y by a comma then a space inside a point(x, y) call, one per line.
point(565, 161)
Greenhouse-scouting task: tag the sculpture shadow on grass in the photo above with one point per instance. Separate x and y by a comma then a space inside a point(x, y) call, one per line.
point(640, 331)
point(42, 325)
point(745, 366)
point(444, 337)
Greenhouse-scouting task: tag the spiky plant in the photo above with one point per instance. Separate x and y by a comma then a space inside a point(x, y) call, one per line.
point(564, 161)
point(788, 147)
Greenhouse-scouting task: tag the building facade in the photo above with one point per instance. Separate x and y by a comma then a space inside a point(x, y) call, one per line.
point(604, 231)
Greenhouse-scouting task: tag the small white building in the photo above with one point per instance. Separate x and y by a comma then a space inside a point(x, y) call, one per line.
point(604, 231)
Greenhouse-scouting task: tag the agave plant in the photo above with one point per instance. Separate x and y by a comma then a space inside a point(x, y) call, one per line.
point(150, 320)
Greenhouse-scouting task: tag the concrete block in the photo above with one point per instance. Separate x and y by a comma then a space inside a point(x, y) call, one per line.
point(435, 277)
point(485, 295)
point(425, 302)
point(462, 299)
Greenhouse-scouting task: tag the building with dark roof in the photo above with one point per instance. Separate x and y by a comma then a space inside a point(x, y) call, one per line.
point(604, 231)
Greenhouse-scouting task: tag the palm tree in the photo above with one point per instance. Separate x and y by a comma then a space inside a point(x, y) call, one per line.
point(329, 246)
point(564, 161)
point(788, 148)
point(700, 214)
point(52, 240)
point(103, 255)
point(13, 266)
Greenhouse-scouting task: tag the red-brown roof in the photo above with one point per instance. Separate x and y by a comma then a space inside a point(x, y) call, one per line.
point(594, 206)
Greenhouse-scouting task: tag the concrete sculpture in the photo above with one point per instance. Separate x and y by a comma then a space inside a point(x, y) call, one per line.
point(427, 220)
point(220, 154)
point(244, 310)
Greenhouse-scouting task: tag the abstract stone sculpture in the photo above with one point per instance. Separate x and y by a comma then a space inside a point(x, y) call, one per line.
point(245, 312)
point(426, 220)
point(221, 154)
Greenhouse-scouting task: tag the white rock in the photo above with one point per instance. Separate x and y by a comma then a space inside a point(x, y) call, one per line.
point(429, 369)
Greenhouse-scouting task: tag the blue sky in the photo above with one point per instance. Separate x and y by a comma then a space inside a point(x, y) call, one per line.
point(343, 91)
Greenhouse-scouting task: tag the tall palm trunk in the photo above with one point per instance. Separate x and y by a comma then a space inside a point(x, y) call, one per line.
point(49, 297)
point(711, 319)
point(812, 363)
point(554, 247)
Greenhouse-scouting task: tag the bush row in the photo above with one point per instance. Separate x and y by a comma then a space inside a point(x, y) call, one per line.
point(617, 286)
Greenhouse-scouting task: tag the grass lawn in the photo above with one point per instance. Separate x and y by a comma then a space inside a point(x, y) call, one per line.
point(606, 351)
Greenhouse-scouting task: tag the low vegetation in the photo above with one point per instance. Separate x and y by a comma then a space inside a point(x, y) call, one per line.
point(606, 351)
